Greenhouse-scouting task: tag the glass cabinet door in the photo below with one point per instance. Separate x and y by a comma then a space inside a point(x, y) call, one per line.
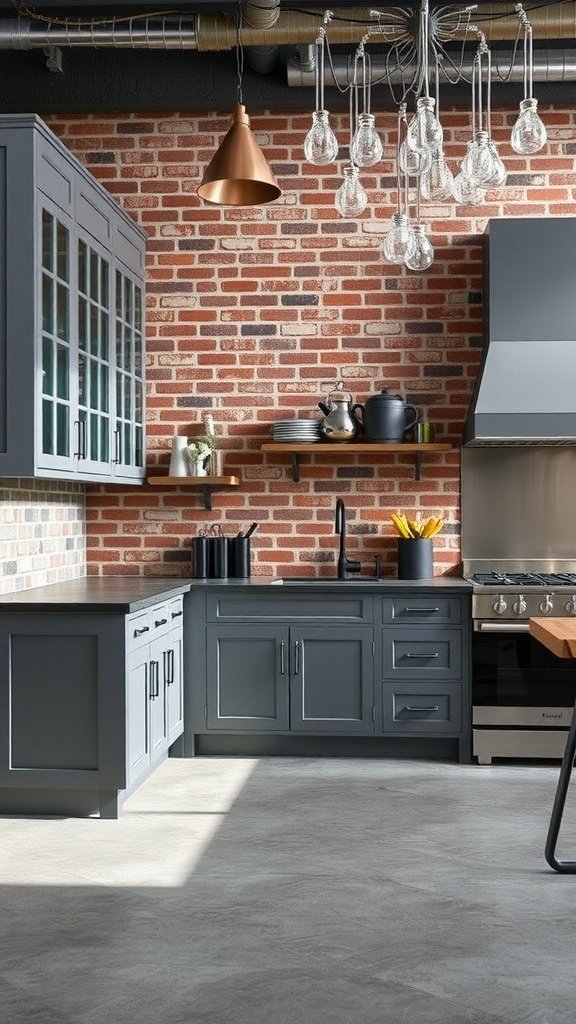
point(93, 357)
point(58, 424)
point(128, 455)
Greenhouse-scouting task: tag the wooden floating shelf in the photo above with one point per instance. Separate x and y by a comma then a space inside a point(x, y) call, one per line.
point(354, 448)
point(206, 484)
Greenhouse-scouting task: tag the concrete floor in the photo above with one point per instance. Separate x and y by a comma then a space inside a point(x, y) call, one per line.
point(295, 891)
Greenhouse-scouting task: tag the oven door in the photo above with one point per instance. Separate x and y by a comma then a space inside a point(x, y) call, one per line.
point(511, 670)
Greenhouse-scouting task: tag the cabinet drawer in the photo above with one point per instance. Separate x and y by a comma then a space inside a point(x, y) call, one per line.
point(419, 708)
point(422, 608)
point(138, 629)
point(422, 654)
point(164, 617)
point(334, 608)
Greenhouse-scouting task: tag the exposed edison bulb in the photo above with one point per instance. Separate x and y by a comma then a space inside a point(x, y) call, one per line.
point(479, 163)
point(366, 148)
point(400, 241)
point(422, 256)
point(467, 192)
point(425, 131)
point(437, 182)
point(498, 178)
point(529, 133)
point(351, 199)
point(412, 163)
point(320, 144)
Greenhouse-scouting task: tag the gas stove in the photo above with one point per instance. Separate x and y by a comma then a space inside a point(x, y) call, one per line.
point(512, 595)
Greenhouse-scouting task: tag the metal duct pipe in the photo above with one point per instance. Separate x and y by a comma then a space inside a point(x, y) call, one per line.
point(147, 33)
point(549, 66)
point(263, 15)
point(218, 31)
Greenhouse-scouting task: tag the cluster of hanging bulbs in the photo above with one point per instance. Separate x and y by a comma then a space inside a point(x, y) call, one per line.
point(420, 155)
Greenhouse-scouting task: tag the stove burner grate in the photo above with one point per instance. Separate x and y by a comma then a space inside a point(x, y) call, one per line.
point(524, 579)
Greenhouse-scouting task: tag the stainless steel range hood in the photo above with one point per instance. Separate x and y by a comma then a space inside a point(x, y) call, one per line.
point(526, 388)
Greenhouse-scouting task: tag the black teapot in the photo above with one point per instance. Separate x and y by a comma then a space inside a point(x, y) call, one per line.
point(384, 418)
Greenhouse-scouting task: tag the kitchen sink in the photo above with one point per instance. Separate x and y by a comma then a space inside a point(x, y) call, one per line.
point(322, 580)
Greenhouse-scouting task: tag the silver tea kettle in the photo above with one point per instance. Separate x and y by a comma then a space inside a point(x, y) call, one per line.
point(338, 423)
point(384, 417)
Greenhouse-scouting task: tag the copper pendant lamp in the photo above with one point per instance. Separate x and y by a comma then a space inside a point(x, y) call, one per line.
point(238, 173)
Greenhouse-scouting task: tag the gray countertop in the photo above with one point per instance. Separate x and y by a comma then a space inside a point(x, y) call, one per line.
point(106, 594)
point(113, 594)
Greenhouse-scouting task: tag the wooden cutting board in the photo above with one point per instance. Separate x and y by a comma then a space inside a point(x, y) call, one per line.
point(558, 635)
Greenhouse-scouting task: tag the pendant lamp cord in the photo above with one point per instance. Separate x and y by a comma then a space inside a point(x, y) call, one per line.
point(239, 54)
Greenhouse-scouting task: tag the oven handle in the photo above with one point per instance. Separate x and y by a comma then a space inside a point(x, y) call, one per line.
point(501, 627)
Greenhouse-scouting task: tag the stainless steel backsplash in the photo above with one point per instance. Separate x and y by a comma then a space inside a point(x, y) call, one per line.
point(519, 503)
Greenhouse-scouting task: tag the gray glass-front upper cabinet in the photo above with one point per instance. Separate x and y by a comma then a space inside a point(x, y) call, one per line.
point(72, 318)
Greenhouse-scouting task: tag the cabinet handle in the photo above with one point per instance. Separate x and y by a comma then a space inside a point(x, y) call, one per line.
point(418, 610)
point(154, 678)
point(84, 439)
point(160, 622)
point(78, 452)
point(297, 658)
point(433, 708)
point(169, 666)
point(282, 662)
point(138, 632)
point(117, 440)
point(434, 654)
point(176, 615)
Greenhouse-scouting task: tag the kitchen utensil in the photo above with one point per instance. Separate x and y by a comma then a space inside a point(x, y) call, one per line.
point(250, 531)
point(384, 417)
point(338, 423)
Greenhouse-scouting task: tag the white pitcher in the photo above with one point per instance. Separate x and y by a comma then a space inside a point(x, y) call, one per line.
point(179, 464)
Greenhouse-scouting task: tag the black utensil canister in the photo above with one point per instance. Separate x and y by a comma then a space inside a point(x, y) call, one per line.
point(200, 558)
point(218, 558)
point(239, 557)
point(415, 561)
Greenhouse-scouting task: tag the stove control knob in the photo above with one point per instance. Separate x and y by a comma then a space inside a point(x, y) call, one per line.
point(499, 605)
point(546, 605)
point(571, 606)
point(520, 605)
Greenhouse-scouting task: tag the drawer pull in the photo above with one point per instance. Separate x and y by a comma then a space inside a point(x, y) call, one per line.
point(143, 629)
point(434, 654)
point(418, 610)
point(176, 615)
point(160, 622)
point(433, 708)
point(282, 662)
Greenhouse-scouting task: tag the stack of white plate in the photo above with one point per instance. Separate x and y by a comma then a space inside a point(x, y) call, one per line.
point(296, 431)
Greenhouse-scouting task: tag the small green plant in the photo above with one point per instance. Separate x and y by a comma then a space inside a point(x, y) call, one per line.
point(200, 447)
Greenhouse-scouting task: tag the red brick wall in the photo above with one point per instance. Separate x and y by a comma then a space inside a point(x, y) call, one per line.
point(253, 313)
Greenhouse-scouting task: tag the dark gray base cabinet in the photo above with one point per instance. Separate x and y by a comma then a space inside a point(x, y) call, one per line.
point(303, 679)
point(89, 706)
point(392, 666)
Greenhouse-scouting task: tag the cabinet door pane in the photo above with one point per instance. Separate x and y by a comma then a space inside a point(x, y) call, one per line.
point(129, 373)
point(93, 330)
point(56, 351)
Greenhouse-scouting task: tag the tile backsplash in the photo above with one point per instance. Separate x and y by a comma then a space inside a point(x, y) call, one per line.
point(42, 533)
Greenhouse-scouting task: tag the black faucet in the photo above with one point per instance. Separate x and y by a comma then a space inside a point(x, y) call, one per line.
point(344, 564)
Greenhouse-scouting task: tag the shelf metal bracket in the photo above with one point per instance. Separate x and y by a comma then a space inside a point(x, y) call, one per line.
point(207, 495)
point(296, 467)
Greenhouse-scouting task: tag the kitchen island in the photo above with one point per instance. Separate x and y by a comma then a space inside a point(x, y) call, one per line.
point(91, 692)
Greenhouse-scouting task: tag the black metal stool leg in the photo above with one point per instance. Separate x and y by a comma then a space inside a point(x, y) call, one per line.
point(567, 867)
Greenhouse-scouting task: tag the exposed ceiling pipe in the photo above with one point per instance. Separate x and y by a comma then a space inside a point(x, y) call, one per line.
point(262, 15)
point(215, 32)
point(549, 66)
